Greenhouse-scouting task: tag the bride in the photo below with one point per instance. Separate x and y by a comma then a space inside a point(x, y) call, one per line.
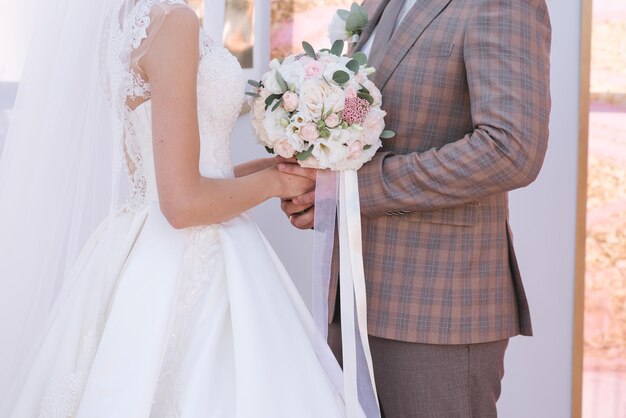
point(176, 306)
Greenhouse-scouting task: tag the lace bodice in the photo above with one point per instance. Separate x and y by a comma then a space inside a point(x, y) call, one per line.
point(220, 97)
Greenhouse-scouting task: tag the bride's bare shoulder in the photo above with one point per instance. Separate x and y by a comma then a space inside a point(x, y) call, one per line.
point(175, 14)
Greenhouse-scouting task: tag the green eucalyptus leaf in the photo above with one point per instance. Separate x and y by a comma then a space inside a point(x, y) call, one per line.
point(281, 82)
point(254, 83)
point(270, 99)
point(277, 104)
point(356, 22)
point(355, 8)
point(363, 89)
point(387, 134)
point(324, 50)
point(308, 49)
point(341, 77)
point(270, 150)
point(337, 48)
point(343, 14)
point(360, 57)
point(301, 156)
point(366, 96)
point(353, 65)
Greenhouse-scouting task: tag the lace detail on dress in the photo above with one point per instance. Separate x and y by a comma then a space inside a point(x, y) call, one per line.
point(199, 264)
point(62, 397)
point(137, 87)
point(220, 97)
point(63, 394)
point(221, 83)
point(139, 163)
point(140, 20)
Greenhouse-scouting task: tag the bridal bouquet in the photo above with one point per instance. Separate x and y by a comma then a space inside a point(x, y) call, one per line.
point(321, 108)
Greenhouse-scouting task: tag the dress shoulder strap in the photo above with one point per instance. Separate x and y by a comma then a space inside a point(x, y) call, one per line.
point(147, 17)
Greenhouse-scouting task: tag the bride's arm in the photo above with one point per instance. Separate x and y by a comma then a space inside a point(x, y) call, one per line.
point(253, 166)
point(186, 198)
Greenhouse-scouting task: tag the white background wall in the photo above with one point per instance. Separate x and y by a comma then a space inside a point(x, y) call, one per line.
point(543, 217)
point(537, 383)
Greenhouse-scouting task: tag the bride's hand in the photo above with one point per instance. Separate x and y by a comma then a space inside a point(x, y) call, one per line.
point(300, 210)
point(289, 185)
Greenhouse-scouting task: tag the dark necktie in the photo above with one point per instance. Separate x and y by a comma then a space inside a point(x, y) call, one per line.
point(384, 31)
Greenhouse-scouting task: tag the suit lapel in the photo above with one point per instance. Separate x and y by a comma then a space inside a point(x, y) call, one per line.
point(413, 25)
point(377, 6)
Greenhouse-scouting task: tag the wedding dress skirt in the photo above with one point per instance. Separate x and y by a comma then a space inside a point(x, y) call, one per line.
point(160, 322)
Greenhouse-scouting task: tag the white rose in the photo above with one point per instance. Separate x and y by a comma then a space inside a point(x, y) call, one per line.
point(373, 126)
point(274, 64)
point(273, 124)
point(316, 95)
point(349, 135)
point(330, 152)
point(292, 72)
point(271, 83)
point(337, 29)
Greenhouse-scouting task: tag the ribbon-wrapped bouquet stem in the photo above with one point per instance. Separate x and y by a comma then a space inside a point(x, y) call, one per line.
point(321, 108)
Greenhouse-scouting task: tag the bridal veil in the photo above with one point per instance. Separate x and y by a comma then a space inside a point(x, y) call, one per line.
point(60, 167)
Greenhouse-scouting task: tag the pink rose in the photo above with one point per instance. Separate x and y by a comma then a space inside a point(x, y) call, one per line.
point(313, 69)
point(350, 93)
point(283, 148)
point(356, 149)
point(309, 132)
point(332, 120)
point(290, 101)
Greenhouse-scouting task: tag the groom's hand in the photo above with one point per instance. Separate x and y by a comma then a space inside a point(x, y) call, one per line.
point(300, 210)
point(301, 219)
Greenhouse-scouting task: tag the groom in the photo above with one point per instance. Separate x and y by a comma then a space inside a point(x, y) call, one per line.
point(466, 89)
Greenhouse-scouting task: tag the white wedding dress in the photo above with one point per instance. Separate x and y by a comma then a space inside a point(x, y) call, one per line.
point(159, 322)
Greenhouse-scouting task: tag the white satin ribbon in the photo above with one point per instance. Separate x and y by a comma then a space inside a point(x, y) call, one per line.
point(326, 195)
point(358, 374)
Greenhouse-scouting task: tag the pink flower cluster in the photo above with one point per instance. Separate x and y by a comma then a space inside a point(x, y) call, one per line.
point(355, 110)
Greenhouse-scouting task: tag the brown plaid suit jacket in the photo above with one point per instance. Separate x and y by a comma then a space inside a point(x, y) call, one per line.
point(465, 85)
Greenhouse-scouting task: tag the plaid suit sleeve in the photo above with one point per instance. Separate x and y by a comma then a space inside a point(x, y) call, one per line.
point(506, 52)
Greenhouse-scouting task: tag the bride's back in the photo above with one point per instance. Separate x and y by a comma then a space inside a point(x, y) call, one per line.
point(219, 93)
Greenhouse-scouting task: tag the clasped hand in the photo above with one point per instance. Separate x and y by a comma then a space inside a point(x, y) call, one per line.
point(300, 209)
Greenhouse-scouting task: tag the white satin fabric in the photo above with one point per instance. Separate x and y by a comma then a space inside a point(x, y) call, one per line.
point(159, 322)
point(180, 323)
